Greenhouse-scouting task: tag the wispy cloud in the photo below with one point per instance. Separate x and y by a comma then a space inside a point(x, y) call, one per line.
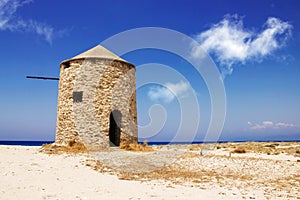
point(169, 92)
point(271, 125)
point(10, 21)
point(232, 44)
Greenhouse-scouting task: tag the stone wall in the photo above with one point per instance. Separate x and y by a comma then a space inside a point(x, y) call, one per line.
point(65, 126)
point(106, 85)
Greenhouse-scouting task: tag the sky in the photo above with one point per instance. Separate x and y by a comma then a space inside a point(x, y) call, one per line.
point(254, 45)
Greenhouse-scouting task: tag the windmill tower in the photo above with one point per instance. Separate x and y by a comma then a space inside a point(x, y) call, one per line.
point(97, 100)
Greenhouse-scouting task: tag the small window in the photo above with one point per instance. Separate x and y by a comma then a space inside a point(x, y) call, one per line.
point(77, 96)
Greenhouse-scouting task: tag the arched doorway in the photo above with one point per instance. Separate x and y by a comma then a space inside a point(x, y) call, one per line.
point(115, 128)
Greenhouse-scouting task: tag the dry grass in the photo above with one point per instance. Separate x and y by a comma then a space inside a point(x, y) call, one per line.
point(274, 145)
point(239, 150)
point(195, 147)
point(173, 173)
point(137, 147)
point(190, 155)
point(98, 166)
point(167, 173)
point(73, 147)
point(270, 148)
point(177, 173)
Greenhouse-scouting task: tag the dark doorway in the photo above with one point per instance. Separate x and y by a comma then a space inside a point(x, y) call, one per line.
point(114, 128)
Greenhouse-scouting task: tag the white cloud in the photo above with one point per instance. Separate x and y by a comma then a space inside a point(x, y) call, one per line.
point(284, 125)
point(169, 91)
point(9, 20)
point(271, 125)
point(231, 43)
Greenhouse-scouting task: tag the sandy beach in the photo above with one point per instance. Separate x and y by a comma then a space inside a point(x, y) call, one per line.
point(263, 171)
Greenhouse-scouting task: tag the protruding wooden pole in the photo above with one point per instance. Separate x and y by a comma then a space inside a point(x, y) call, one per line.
point(42, 78)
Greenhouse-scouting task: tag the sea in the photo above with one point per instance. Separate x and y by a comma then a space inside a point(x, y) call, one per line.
point(24, 143)
point(40, 143)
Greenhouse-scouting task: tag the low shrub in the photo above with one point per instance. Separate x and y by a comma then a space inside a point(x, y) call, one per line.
point(136, 147)
point(239, 150)
point(72, 147)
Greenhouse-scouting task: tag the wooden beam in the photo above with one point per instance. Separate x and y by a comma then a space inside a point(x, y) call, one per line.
point(43, 78)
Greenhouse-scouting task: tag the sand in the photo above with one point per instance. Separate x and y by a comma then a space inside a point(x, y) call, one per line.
point(26, 173)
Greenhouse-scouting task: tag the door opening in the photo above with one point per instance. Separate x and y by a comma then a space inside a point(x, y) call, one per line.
point(115, 128)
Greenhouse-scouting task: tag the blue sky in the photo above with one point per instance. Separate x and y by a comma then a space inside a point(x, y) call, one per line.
point(254, 44)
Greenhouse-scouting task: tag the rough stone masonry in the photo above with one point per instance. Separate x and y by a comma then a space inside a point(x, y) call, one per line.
point(97, 100)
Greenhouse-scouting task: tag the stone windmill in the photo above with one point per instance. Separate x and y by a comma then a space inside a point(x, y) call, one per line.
point(97, 100)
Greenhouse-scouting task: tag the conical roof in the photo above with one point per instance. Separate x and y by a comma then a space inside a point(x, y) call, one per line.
point(97, 52)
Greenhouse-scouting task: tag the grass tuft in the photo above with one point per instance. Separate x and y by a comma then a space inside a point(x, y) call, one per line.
point(136, 147)
point(239, 150)
point(73, 147)
point(271, 145)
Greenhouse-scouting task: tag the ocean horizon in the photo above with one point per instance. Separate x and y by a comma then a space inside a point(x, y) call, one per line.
point(40, 143)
